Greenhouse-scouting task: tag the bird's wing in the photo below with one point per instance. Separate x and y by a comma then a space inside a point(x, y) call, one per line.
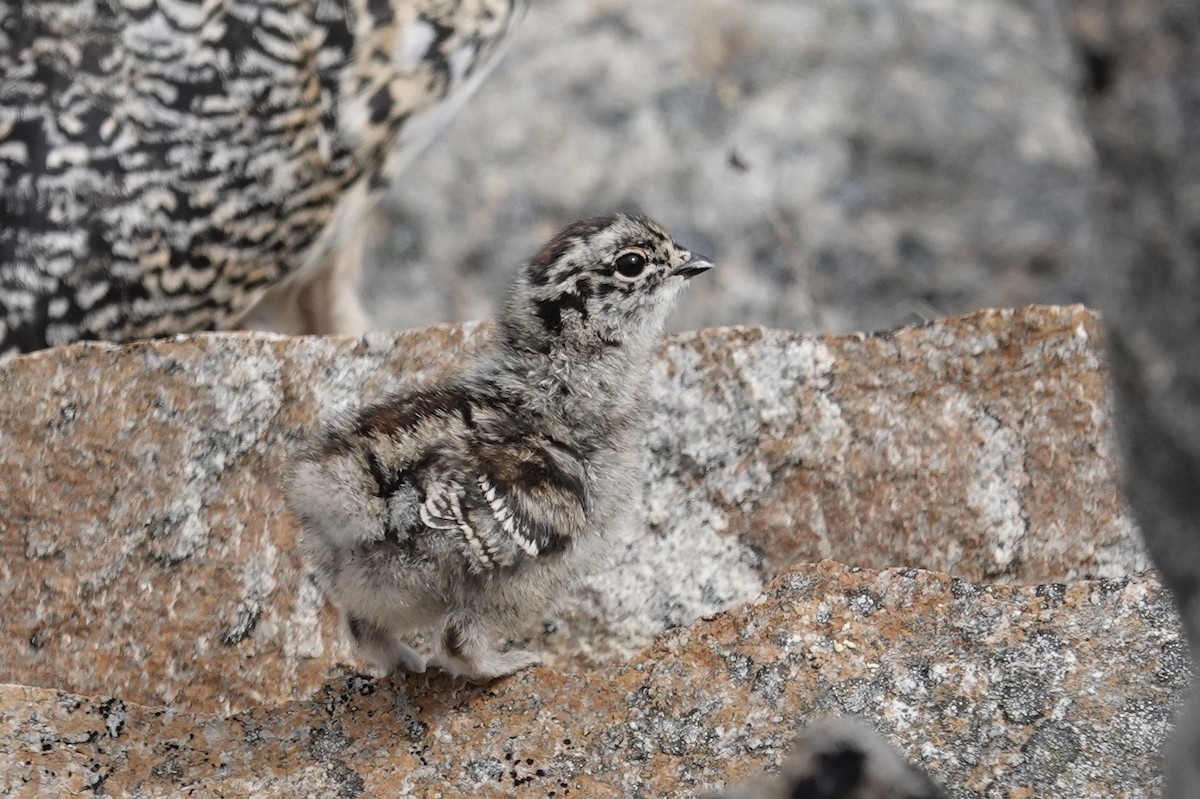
point(448, 463)
point(537, 495)
point(446, 508)
point(513, 503)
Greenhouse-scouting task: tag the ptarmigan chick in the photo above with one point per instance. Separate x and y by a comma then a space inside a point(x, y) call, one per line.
point(468, 506)
point(840, 758)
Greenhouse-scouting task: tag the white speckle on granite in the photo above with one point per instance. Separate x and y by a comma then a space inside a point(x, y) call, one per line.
point(666, 577)
point(994, 490)
point(303, 635)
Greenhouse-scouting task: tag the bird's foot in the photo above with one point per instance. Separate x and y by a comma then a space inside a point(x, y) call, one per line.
point(466, 650)
point(383, 648)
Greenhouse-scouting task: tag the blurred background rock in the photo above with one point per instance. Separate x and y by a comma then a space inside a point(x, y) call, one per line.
point(858, 164)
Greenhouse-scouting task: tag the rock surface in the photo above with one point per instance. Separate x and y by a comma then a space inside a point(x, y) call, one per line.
point(996, 691)
point(1144, 111)
point(150, 554)
point(160, 634)
point(851, 165)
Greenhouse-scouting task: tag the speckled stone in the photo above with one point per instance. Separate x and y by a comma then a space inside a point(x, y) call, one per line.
point(996, 691)
point(1142, 60)
point(149, 554)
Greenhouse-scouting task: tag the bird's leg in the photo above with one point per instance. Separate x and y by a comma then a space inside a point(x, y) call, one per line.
point(383, 648)
point(466, 647)
point(329, 303)
point(324, 300)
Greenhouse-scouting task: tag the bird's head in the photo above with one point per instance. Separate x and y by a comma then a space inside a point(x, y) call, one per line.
point(604, 282)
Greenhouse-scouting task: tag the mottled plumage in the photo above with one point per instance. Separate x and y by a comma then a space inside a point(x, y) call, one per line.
point(840, 758)
point(467, 506)
point(170, 166)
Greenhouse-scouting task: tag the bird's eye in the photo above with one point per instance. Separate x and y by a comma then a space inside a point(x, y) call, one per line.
point(631, 264)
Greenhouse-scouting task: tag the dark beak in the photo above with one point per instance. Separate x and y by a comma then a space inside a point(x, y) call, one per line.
point(694, 266)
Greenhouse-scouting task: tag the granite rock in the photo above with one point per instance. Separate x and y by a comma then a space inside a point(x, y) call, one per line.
point(995, 691)
point(1143, 109)
point(149, 554)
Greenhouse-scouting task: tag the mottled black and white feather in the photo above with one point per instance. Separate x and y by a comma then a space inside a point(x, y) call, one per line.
point(169, 166)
